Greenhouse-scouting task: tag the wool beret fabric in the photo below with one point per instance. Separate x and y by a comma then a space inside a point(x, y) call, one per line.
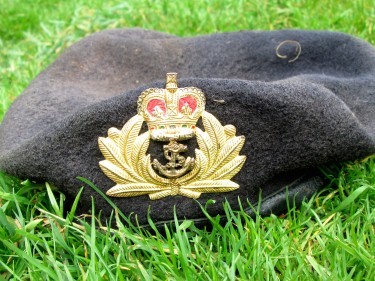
point(302, 99)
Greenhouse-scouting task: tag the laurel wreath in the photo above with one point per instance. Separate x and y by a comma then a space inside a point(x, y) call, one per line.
point(126, 162)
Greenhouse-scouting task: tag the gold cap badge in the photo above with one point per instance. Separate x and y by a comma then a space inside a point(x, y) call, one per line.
point(171, 115)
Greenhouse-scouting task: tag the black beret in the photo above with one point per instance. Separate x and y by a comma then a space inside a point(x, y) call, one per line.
point(302, 99)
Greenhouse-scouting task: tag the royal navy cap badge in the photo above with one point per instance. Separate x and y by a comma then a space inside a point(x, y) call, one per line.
point(171, 115)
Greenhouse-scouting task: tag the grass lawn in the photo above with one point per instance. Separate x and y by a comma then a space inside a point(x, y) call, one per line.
point(331, 237)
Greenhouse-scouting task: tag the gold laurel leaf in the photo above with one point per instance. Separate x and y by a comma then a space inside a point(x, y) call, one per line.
point(214, 129)
point(132, 189)
point(189, 193)
point(114, 134)
point(145, 173)
point(204, 164)
point(128, 136)
point(230, 131)
point(207, 189)
point(205, 145)
point(211, 186)
point(160, 194)
point(199, 159)
point(229, 151)
point(115, 173)
point(230, 169)
point(139, 150)
point(111, 152)
point(150, 174)
point(128, 193)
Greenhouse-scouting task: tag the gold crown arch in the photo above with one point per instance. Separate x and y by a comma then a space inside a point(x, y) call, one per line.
point(171, 115)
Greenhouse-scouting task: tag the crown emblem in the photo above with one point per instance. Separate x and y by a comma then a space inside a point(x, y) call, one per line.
point(171, 112)
point(171, 115)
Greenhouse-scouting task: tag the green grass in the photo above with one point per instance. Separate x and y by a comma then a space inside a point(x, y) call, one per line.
point(331, 237)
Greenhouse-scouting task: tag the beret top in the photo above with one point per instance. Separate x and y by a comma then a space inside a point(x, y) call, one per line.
point(302, 99)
